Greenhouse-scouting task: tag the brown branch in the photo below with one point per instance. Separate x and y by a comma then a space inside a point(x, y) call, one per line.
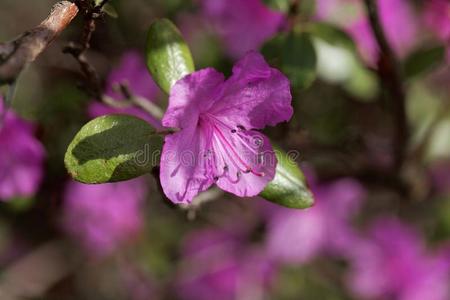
point(78, 50)
point(17, 54)
point(390, 75)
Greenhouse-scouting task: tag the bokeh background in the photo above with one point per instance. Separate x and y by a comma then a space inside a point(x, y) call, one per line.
point(374, 232)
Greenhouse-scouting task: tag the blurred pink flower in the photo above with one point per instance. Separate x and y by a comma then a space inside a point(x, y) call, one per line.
point(132, 72)
point(392, 263)
point(104, 217)
point(397, 18)
point(219, 265)
point(298, 236)
point(399, 23)
point(21, 157)
point(218, 141)
point(242, 25)
point(437, 18)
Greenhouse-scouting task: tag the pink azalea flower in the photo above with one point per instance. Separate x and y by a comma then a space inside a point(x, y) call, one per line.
point(218, 265)
point(103, 217)
point(21, 157)
point(298, 236)
point(133, 73)
point(242, 25)
point(437, 18)
point(216, 142)
point(393, 263)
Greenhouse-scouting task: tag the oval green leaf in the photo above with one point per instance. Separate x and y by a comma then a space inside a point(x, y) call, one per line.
point(332, 35)
point(113, 148)
point(289, 187)
point(423, 60)
point(168, 56)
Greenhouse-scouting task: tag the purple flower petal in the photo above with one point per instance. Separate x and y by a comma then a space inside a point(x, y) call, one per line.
point(21, 158)
point(437, 18)
point(251, 167)
point(393, 261)
point(184, 171)
point(218, 265)
point(193, 94)
point(132, 72)
point(216, 142)
point(103, 217)
point(299, 236)
point(242, 25)
point(256, 95)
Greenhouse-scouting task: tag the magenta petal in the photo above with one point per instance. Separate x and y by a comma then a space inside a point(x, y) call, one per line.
point(105, 217)
point(190, 95)
point(183, 171)
point(437, 18)
point(256, 95)
point(21, 158)
point(132, 72)
point(246, 161)
point(242, 25)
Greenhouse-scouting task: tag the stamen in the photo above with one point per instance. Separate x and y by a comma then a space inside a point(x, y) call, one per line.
point(247, 169)
point(224, 150)
point(215, 122)
point(239, 135)
point(224, 140)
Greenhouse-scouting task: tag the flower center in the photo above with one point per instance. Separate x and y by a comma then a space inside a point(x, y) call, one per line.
point(227, 138)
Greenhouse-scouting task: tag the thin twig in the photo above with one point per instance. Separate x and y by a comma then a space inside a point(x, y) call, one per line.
point(17, 54)
point(148, 106)
point(94, 86)
point(78, 50)
point(390, 75)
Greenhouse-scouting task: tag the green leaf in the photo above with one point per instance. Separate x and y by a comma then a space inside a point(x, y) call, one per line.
point(110, 11)
point(423, 60)
point(295, 55)
point(113, 148)
point(168, 56)
point(289, 187)
point(332, 35)
point(281, 5)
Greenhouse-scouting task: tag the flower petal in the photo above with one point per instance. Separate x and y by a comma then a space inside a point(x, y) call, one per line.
point(132, 72)
point(244, 162)
point(191, 95)
point(184, 172)
point(242, 25)
point(256, 95)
